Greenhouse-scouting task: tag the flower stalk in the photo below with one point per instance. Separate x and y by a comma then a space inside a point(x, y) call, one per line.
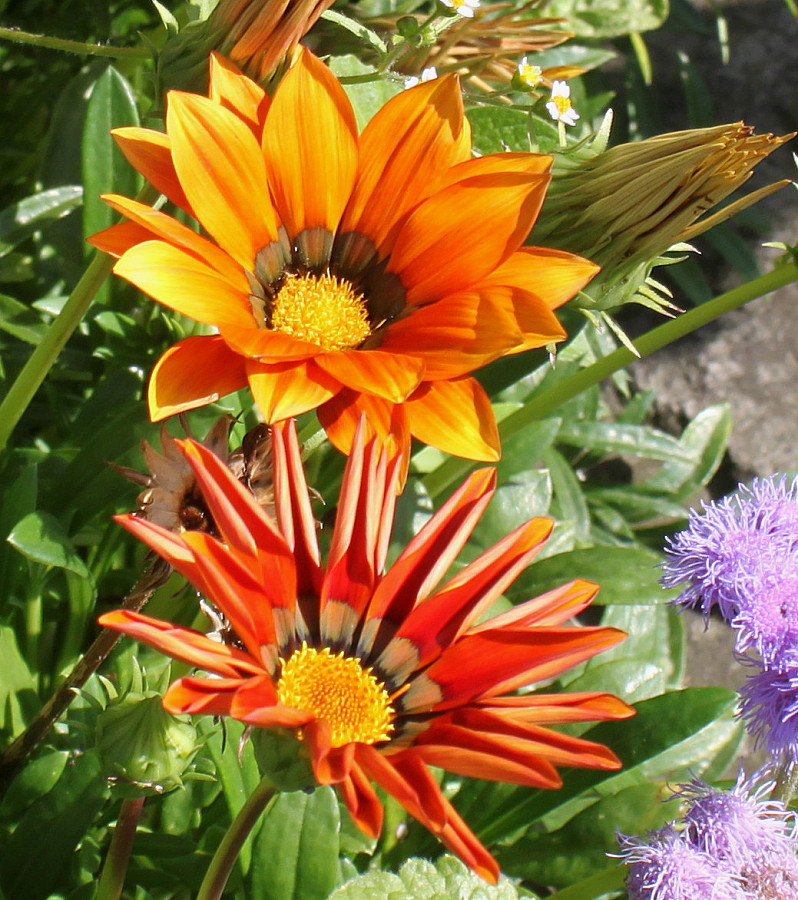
point(549, 400)
point(112, 879)
point(227, 852)
point(80, 47)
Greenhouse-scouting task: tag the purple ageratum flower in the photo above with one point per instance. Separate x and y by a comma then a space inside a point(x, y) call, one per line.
point(734, 545)
point(663, 866)
point(767, 618)
point(769, 706)
point(741, 829)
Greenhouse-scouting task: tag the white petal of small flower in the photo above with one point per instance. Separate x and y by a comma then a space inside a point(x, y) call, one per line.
point(531, 76)
point(462, 7)
point(428, 74)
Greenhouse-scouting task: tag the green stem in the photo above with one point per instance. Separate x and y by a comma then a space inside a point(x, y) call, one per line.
point(112, 879)
point(53, 43)
point(44, 356)
point(548, 401)
point(227, 852)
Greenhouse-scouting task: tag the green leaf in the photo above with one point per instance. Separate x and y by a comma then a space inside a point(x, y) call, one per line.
point(704, 441)
point(369, 96)
point(20, 321)
point(419, 879)
point(636, 506)
point(568, 507)
point(495, 130)
point(20, 220)
point(17, 686)
point(39, 776)
point(41, 849)
point(609, 18)
point(41, 538)
point(296, 851)
point(631, 440)
point(111, 105)
point(626, 575)
point(524, 496)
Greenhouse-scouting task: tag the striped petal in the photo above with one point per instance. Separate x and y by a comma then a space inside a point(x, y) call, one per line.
point(387, 375)
point(151, 153)
point(230, 88)
point(289, 389)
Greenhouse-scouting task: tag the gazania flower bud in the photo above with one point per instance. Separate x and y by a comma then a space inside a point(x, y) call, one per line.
point(143, 749)
point(626, 206)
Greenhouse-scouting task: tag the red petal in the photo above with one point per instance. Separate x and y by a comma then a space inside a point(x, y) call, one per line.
point(362, 802)
point(201, 696)
point(552, 608)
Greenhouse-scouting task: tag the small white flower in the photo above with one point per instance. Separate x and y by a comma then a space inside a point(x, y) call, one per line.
point(462, 7)
point(531, 76)
point(559, 106)
point(429, 74)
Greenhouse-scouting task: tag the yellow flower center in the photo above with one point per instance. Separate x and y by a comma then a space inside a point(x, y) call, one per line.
point(339, 690)
point(563, 104)
point(322, 309)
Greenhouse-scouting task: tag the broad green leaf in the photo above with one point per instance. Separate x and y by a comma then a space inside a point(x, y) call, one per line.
point(419, 879)
point(369, 96)
point(704, 441)
point(295, 856)
point(631, 440)
point(636, 506)
point(20, 220)
point(37, 855)
point(647, 663)
point(111, 105)
point(17, 686)
point(581, 846)
point(609, 18)
point(39, 776)
point(626, 575)
point(497, 129)
point(41, 538)
point(524, 496)
point(568, 505)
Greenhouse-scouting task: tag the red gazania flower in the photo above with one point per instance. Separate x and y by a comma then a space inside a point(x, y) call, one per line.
point(380, 674)
point(356, 275)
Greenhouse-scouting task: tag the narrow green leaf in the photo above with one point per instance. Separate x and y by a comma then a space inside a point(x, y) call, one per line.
point(111, 105)
point(632, 440)
point(568, 505)
point(41, 538)
point(17, 686)
point(295, 856)
point(20, 220)
point(20, 321)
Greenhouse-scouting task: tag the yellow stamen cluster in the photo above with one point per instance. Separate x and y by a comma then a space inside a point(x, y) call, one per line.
point(322, 309)
point(337, 689)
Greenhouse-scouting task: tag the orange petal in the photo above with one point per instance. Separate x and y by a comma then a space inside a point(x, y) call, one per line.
point(384, 420)
point(552, 608)
point(201, 696)
point(173, 232)
point(310, 146)
point(387, 375)
point(119, 238)
point(193, 372)
point(223, 174)
point(456, 335)
point(267, 345)
point(442, 618)
point(151, 153)
point(362, 802)
point(404, 150)
point(184, 644)
point(230, 88)
point(550, 709)
point(460, 234)
point(552, 275)
point(496, 164)
point(182, 282)
point(456, 417)
point(289, 389)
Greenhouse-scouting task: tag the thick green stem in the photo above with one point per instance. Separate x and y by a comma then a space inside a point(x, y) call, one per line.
point(53, 43)
point(549, 400)
point(227, 852)
point(112, 879)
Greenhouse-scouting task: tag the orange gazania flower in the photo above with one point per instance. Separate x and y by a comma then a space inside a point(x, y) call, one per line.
point(379, 673)
point(354, 274)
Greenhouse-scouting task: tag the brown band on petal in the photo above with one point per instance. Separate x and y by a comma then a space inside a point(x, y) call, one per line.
point(312, 250)
point(337, 624)
point(273, 259)
point(424, 693)
point(353, 251)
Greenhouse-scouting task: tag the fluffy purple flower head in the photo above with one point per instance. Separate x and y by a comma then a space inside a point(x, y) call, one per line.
point(769, 706)
point(740, 828)
point(733, 545)
point(767, 618)
point(663, 866)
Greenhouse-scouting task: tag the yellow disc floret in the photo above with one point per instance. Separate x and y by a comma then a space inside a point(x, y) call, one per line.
point(339, 690)
point(322, 309)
